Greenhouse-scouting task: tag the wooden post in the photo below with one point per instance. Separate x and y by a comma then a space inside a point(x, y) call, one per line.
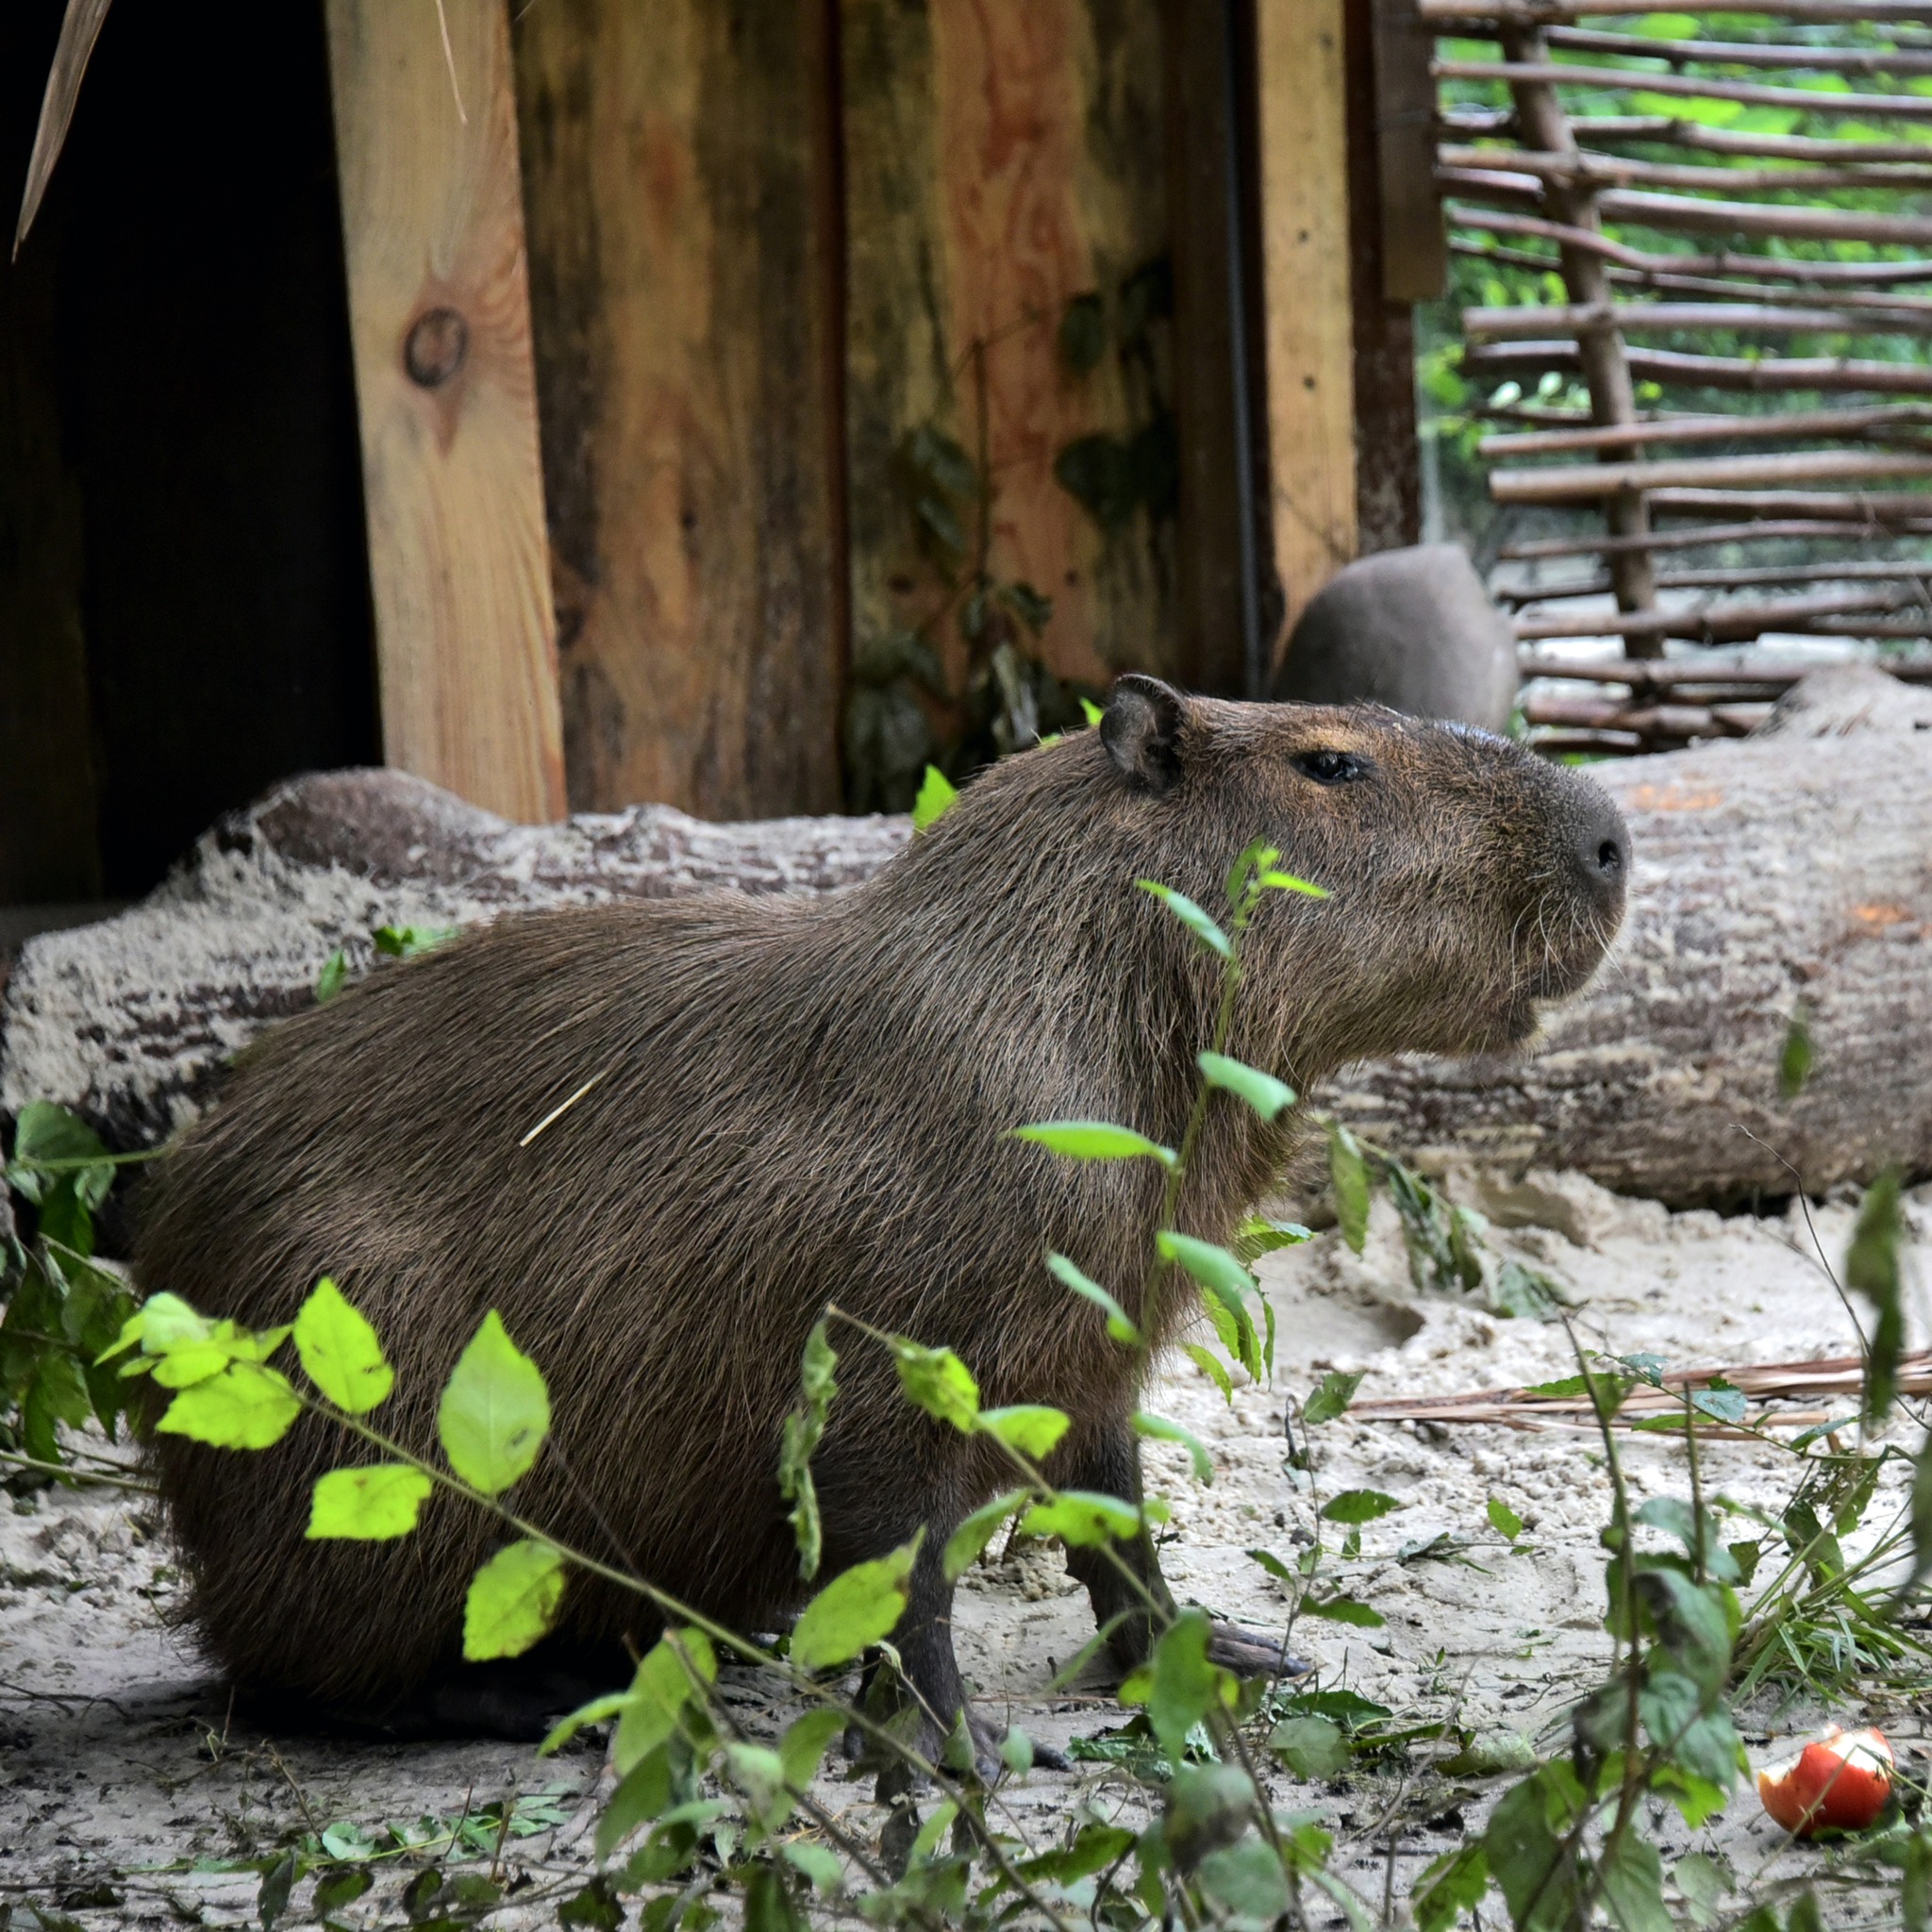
point(681, 193)
point(440, 317)
point(1305, 273)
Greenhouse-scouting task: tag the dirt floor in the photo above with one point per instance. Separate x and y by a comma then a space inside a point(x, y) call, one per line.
point(129, 1794)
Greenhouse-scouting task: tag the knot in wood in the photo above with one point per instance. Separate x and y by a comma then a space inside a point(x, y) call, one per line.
point(436, 347)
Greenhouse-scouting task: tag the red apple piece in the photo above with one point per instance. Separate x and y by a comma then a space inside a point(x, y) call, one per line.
point(1840, 1782)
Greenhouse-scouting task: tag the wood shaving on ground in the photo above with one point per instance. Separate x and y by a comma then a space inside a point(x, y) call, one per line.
point(1764, 1384)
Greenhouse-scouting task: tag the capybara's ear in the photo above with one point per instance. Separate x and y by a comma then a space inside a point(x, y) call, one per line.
point(1141, 731)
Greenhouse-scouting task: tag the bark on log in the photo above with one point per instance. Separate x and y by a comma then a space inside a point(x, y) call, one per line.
point(1782, 868)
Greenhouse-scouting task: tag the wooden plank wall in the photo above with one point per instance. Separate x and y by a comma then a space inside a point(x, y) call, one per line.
point(680, 194)
point(426, 147)
point(1310, 349)
point(1001, 158)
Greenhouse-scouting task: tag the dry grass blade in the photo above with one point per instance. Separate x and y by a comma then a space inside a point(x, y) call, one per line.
point(80, 27)
point(1762, 1382)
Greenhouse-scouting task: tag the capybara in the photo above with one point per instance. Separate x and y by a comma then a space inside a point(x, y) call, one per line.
point(800, 1102)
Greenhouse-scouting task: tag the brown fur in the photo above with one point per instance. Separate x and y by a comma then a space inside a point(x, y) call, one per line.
point(804, 1101)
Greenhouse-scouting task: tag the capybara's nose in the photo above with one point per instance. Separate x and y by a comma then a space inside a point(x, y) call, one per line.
point(1600, 843)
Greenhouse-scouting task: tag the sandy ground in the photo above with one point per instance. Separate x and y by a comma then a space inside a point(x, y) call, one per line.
point(128, 1793)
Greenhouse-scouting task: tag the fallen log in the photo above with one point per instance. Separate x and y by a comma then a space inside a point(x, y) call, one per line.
point(1783, 868)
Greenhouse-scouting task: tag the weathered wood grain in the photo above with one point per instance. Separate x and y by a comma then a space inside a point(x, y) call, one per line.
point(432, 222)
point(1304, 229)
point(679, 177)
point(1001, 158)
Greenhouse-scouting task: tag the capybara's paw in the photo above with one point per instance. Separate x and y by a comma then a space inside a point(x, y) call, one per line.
point(1248, 1654)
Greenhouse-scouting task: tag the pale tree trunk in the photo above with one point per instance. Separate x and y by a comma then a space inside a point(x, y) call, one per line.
point(1793, 868)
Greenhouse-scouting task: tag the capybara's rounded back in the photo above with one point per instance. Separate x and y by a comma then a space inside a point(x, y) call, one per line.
point(790, 1102)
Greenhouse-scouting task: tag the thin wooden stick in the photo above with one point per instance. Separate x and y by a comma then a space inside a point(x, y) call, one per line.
point(1781, 424)
point(1463, 122)
point(1873, 507)
point(1763, 267)
point(1840, 301)
point(1672, 212)
point(1728, 576)
point(1759, 318)
point(1865, 60)
point(1773, 374)
point(1769, 529)
point(1750, 94)
point(1579, 482)
point(1647, 675)
point(1620, 171)
point(1563, 12)
point(1720, 623)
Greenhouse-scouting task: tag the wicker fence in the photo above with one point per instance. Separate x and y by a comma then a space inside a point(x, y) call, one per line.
point(1735, 214)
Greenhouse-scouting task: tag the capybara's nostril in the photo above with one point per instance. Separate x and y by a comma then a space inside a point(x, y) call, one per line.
point(1602, 847)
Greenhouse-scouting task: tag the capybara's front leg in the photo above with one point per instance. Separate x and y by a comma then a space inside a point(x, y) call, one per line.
point(1124, 1580)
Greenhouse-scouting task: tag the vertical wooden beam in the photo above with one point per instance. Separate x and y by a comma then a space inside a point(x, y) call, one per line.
point(1216, 402)
point(1387, 249)
point(681, 189)
point(1305, 230)
point(1001, 158)
point(439, 316)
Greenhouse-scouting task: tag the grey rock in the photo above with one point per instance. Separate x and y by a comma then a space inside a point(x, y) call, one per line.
point(1413, 630)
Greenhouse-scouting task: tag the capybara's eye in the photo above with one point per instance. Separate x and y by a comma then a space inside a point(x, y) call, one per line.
point(1331, 767)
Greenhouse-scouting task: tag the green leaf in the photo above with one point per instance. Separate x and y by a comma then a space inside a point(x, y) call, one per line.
point(1118, 1326)
point(1452, 1885)
point(48, 1136)
point(1210, 1365)
point(659, 1690)
point(1202, 925)
point(1871, 1270)
point(1029, 1428)
point(1159, 1429)
point(1525, 1850)
point(939, 1382)
point(1094, 1848)
point(369, 1504)
point(513, 1601)
point(1344, 1610)
point(1218, 1271)
point(963, 1547)
point(596, 1908)
point(1526, 1293)
point(804, 1744)
point(1185, 1684)
point(1094, 1141)
point(1092, 713)
point(406, 942)
point(646, 1790)
point(818, 1864)
point(245, 1406)
point(333, 977)
point(1310, 1747)
point(1794, 1058)
point(1273, 1564)
point(495, 1412)
point(339, 1352)
point(803, 1427)
point(1348, 1174)
point(1256, 1237)
point(1332, 1396)
point(1632, 1877)
point(1262, 1091)
point(855, 1608)
point(1503, 1519)
point(599, 1710)
point(1289, 882)
point(1359, 1505)
point(1082, 1517)
point(936, 796)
